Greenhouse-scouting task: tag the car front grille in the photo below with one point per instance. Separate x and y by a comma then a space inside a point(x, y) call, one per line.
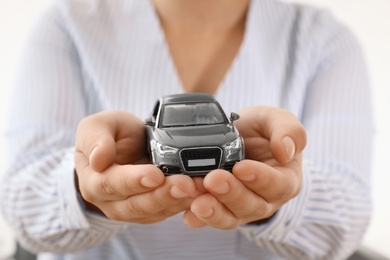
point(228, 166)
point(201, 159)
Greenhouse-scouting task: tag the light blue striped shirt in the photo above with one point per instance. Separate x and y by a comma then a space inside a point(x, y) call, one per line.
point(86, 56)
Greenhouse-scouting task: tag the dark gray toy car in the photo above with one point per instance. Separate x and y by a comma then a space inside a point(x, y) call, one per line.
point(190, 134)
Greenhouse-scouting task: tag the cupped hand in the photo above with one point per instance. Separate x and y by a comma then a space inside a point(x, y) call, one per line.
point(115, 177)
point(270, 176)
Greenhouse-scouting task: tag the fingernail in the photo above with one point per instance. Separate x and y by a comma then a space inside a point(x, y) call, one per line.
point(149, 183)
point(91, 154)
point(178, 193)
point(223, 188)
point(289, 145)
point(206, 214)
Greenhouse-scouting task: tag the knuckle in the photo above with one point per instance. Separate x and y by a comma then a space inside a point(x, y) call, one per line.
point(262, 211)
point(136, 208)
point(285, 191)
point(269, 211)
point(133, 184)
point(110, 189)
point(87, 196)
point(162, 202)
point(88, 144)
point(149, 220)
point(284, 195)
point(230, 224)
point(296, 190)
point(87, 193)
point(118, 214)
point(288, 191)
point(106, 187)
point(291, 190)
point(113, 215)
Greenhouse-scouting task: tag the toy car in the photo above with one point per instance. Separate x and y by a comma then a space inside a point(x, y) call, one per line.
point(190, 134)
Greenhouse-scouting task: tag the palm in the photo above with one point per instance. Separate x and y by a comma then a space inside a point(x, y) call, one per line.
point(110, 148)
point(131, 150)
point(265, 128)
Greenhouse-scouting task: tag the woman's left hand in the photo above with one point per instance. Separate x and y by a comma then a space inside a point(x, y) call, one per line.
point(269, 177)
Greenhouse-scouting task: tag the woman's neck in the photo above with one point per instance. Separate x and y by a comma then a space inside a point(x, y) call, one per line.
point(203, 16)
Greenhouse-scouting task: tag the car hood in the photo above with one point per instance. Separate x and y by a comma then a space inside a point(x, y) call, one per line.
point(210, 135)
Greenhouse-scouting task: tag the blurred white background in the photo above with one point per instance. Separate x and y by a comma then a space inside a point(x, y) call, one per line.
point(368, 19)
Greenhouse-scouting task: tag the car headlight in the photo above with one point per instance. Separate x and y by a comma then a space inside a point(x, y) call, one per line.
point(234, 145)
point(233, 149)
point(165, 150)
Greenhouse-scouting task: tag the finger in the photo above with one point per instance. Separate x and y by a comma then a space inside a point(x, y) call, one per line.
point(181, 206)
point(175, 190)
point(199, 184)
point(274, 184)
point(118, 182)
point(213, 213)
point(192, 221)
point(244, 203)
point(286, 134)
point(103, 153)
point(110, 210)
point(95, 141)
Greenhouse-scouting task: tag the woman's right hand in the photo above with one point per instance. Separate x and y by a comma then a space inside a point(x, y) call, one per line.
point(114, 174)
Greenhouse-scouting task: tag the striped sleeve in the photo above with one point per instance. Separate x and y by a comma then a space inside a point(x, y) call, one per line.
point(38, 193)
point(329, 217)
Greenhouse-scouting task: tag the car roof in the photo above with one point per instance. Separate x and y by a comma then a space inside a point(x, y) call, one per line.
point(187, 98)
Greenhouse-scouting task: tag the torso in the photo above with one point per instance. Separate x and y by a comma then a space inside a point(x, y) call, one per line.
point(203, 60)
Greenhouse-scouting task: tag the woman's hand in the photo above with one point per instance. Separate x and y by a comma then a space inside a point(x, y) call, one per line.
point(115, 177)
point(270, 176)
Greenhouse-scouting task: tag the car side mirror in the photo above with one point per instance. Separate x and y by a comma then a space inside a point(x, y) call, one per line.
point(150, 121)
point(234, 116)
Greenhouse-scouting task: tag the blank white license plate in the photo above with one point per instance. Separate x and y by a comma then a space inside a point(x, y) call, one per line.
point(201, 162)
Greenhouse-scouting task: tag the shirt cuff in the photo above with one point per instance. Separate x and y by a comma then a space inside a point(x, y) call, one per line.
point(77, 217)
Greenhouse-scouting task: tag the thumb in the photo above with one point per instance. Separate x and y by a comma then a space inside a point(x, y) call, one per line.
point(283, 148)
point(95, 139)
point(102, 154)
point(283, 129)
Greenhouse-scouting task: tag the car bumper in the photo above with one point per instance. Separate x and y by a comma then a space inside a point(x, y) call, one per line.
point(197, 161)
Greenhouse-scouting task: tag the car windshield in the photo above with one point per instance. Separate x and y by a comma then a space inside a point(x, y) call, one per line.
point(191, 114)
